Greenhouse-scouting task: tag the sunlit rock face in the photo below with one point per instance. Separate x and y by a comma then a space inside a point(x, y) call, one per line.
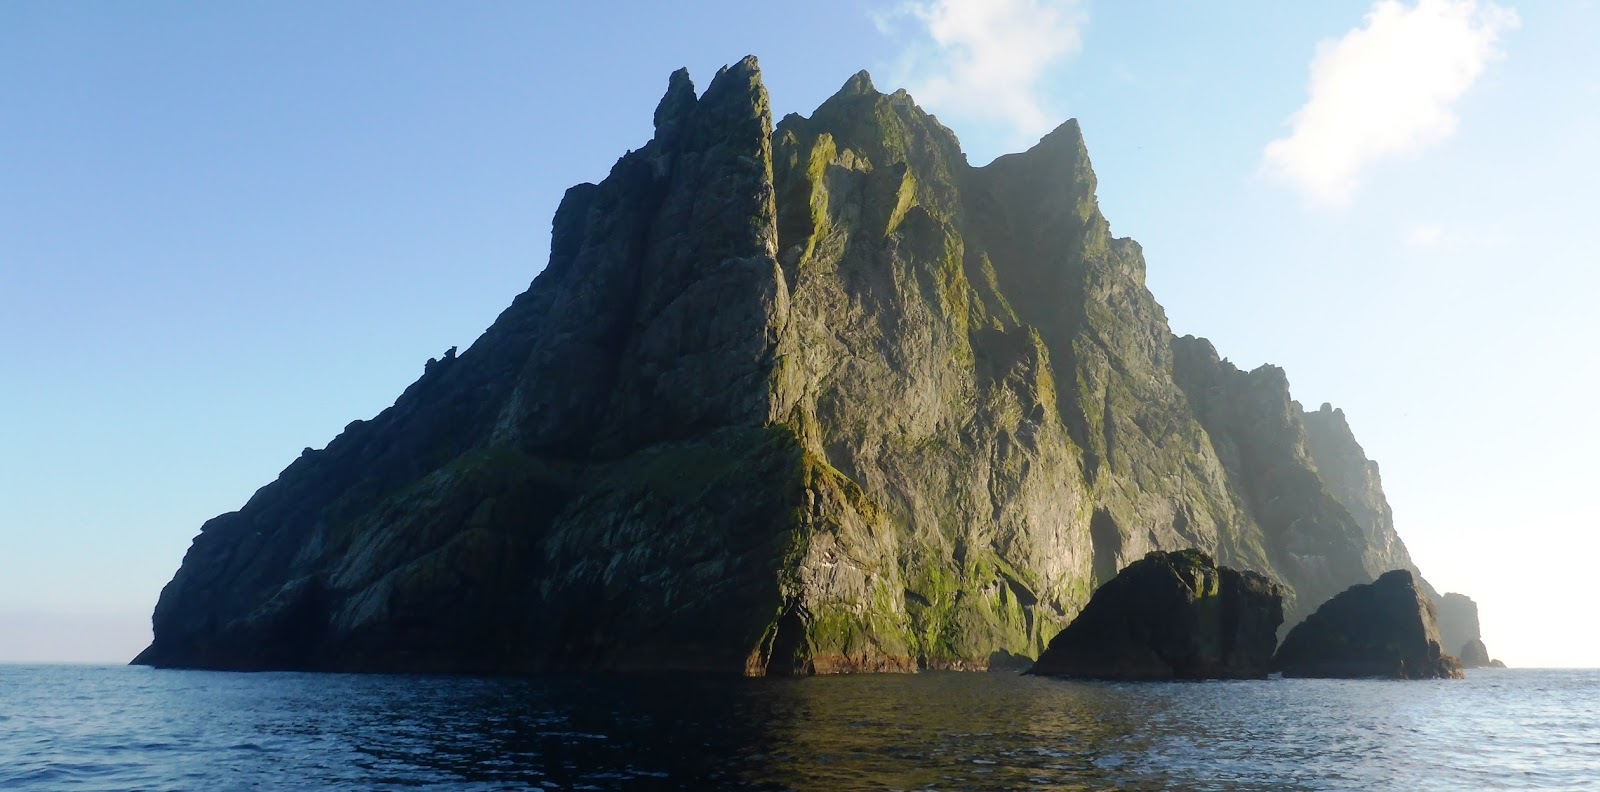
point(813, 397)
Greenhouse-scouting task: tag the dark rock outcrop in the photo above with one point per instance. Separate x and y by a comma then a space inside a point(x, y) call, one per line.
point(808, 398)
point(1381, 629)
point(1171, 615)
point(1005, 662)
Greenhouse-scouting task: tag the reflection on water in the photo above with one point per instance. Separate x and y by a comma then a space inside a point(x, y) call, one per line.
point(115, 728)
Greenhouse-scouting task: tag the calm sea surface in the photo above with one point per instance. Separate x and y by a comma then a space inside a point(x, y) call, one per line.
point(113, 728)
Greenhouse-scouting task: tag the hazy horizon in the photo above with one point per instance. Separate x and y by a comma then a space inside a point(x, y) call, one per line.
point(232, 230)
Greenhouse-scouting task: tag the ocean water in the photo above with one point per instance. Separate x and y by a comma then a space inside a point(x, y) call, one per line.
point(116, 728)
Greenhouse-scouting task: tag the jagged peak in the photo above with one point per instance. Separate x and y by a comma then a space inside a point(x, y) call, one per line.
point(747, 66)
point(864, 119)
point(1271, 372)
point(1063, 142)
point(1068, 132)
point(859, 84)
point(1327, 410)
point(1333, 418)
point(676, 103)
point(737, 90)
point(1062, 145)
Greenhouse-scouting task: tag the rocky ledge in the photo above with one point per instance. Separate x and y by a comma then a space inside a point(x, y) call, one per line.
point(1172, 615)
point(1386, 628)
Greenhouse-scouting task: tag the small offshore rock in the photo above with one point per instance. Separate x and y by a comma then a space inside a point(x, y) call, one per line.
point(1385, 628)
point(1172, 615)
point(1004, 662)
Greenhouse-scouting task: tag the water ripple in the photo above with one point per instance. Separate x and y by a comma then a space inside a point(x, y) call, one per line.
point(75, 728)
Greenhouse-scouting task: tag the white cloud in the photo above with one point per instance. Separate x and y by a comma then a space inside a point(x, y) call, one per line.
point(1385, 89)
point(982, 60)
point(1424, 236)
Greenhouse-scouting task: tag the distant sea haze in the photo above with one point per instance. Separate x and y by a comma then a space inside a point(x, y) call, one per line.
point(119, 728)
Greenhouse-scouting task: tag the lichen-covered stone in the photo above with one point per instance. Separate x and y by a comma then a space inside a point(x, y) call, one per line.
point(1172, 615)
point(1385, 628)
point(813, 398)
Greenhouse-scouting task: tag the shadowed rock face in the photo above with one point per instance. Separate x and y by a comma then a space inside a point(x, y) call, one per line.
point(1171, 615)
point(1381, 629)
point(808, 398)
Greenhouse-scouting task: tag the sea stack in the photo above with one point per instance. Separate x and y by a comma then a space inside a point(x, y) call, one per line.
point(1171, 615)
point(1384, 629)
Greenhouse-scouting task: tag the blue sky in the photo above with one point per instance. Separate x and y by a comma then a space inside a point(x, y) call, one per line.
point(227, 230)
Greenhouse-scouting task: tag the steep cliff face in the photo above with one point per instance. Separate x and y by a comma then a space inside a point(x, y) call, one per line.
point(1352, 479)
point(977, 353)
point(817, 397)
point(1311, 538)
point(591, 482)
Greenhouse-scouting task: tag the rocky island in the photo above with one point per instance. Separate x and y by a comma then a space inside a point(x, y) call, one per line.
point(816, 396)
